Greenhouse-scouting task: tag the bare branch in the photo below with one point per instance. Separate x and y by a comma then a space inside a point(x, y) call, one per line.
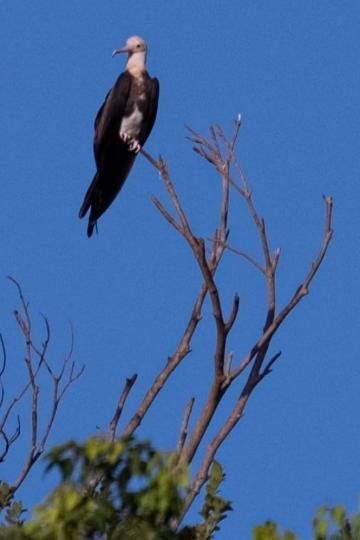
point(33, 367)
point(12, 404)
point(72, 377)
point(260, 349)
point(234, 312)
point(228, 363)
point(184, 425)
point(222, 329)
point(2, 369)
point(25, 305)
point(182, 350)
point(8, 441)
point(173, 196)
point(41, 352)
point(270, 263)
point(242, 254)
point(166, 214)
point(120, 405)
point(269, 365)
point(58, 394)
point(202, 474)
point(236, 415)
point(219, 150)
point(300, 292)
point(211, 265)
point(151, 160)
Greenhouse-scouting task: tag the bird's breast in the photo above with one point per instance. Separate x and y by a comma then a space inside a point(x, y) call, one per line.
point(131, 124)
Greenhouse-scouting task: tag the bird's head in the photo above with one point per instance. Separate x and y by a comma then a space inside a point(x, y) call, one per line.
point(134, 45)
point(136, 48)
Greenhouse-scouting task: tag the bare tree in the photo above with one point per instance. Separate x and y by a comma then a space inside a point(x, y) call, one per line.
point(219, 151)
point(35, 363)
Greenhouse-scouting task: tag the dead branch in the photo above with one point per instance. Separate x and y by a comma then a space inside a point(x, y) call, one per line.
point(255, 376)
point(2, 369)
point(244, 255)
point(35, 359)
point(207, 266)
point(184, 426)
point(211, 265)
point(9, 440)
point(219, 151)
point(222, 163)
point(120, 405)
point(301, 291)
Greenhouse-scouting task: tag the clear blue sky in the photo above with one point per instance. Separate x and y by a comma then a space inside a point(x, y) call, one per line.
point(292, 69)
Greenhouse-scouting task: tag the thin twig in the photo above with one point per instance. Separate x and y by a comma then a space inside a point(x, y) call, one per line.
point(242, 254)
point(36, 448)
point(234, 313)
point(8, 441)
point(219, 150)
point(183, 347)
point(184, 425)
point(222, 328)
point(3, 367)
point(151, 160)
point(300, 292)
point(120, 405)
point(182, 350)
point(166, 214)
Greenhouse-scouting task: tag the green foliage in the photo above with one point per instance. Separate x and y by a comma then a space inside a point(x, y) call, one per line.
point(329, 523)
point(114, 490)
point(126, 490)
point(13, 509)
point(333, 523)
point(122, 490)
point(5, 495)
point(269, 531)
point(14, 512)
point(215, 507)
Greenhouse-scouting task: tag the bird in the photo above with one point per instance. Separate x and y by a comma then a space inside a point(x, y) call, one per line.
point(122, 126)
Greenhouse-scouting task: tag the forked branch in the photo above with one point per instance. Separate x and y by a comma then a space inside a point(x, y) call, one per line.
point(219, 151)
point(258, 351)
point(35, 360)
point(210, 264)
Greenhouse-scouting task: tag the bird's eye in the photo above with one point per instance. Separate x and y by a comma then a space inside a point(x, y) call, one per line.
point(138, 45)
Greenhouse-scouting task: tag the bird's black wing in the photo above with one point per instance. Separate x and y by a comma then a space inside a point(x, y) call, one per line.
point(100, 111)
point(153, 100)
point(108, 119)
point(107, 123)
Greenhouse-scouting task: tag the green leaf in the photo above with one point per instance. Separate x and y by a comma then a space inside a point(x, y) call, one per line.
point(215, 507)
point(338, 514)
point(6, 495)
point(14, 512)
point(269, 531)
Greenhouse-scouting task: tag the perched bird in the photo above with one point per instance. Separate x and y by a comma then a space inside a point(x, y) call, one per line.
point(122, 126)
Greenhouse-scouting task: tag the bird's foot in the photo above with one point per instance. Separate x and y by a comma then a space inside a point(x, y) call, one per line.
point(125, 137)
point(135, 146)
point(132, 143)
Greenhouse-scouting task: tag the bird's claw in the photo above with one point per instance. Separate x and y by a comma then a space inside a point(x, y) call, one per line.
point(135, 146)
point(124, 137)
point(132, 144)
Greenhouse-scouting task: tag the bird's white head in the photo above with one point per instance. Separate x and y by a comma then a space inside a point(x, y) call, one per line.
point(136, 48)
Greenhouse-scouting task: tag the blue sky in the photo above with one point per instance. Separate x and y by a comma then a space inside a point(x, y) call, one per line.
point(291, 69)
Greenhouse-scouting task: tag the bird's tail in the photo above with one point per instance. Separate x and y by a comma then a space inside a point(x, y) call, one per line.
point(88, 199)
point(90, 228)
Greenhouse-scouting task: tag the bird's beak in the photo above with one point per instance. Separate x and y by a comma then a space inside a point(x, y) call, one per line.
point(122, 50)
